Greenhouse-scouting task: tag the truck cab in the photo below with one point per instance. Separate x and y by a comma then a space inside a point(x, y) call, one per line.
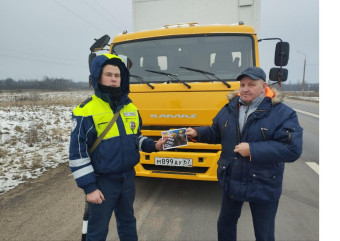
point(180, 76)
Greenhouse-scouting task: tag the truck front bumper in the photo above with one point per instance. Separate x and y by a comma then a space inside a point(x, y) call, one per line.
point(204, 165)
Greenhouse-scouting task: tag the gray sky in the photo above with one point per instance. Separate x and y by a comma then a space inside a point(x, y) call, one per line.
point(52, 37)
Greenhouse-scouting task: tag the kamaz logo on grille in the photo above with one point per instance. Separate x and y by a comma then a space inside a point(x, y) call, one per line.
point(173, 116)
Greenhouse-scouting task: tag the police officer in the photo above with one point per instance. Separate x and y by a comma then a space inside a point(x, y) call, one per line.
point(107, 175)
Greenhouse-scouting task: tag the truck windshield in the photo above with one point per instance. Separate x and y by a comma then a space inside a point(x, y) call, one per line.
point(225, 56)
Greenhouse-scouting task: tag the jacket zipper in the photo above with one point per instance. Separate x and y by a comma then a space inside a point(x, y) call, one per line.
point(225, 125)
point(263, 134)
point(238, 141)
point(238, 129)
point(245, 118)
point(289, 138)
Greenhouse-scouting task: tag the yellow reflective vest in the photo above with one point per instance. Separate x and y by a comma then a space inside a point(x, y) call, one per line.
point(102, 114)
point(117, 153)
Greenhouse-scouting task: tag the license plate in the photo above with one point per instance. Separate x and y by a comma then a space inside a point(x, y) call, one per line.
point(176, 162)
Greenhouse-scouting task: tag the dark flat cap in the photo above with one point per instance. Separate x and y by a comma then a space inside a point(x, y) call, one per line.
point(253, 72)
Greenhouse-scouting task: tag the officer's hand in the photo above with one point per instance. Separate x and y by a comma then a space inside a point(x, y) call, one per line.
point(159, 144)
point(95, 197)
point(243, 149)
point(190, 132)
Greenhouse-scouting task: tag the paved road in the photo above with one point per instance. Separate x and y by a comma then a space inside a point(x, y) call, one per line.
point(308, 113)
point(187, 210)
point(50, 207)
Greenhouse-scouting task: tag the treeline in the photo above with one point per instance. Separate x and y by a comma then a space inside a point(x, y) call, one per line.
point(67, 84)
point(298, 87)
point(45, 84)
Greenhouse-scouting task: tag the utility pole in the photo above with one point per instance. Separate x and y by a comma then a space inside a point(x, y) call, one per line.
point(304, 70)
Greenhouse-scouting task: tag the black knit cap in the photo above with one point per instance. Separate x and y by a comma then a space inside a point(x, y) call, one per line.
point(116, 62)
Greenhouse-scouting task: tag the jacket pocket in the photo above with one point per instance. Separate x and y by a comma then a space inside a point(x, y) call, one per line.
point(263, 131)
point(291, 132)
point(266, 185)
point(221, 174)
point(264, 175)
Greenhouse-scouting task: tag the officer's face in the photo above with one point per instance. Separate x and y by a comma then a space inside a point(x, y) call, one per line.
point(110, 76)
point(250, 89)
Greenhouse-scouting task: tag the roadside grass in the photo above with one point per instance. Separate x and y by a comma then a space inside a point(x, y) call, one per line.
point(300, 93)
point(34, 133)
point(43, 98)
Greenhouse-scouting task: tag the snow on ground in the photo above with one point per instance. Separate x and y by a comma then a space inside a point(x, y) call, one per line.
point(306, 98)
point(34, 133)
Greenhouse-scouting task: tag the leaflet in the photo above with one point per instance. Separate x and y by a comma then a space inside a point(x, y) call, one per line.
point(174, 138)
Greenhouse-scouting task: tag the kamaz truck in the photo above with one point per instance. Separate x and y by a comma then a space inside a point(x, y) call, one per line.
point(180, 76)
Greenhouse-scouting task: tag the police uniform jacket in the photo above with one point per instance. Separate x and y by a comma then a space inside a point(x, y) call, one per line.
point(118, 152)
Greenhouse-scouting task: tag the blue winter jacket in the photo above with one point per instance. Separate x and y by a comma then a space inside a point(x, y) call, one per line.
point(118, 152)
point(274, 136)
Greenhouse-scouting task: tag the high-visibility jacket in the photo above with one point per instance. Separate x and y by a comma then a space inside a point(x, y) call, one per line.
point(117, 153)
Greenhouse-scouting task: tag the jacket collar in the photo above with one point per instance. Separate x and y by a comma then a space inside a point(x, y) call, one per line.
point(271, 97)
point(270, 92)
point(115, 103)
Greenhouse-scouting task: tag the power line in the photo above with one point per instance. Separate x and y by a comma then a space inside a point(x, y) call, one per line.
point(41, 55)
point(75, 14)
point(38, 60)
point(109, 13)
point(100, 14)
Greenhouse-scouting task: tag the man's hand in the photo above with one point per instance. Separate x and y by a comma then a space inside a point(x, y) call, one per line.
point(159, 144)
point(190, 132)
point(95, 197)
point(243, 149)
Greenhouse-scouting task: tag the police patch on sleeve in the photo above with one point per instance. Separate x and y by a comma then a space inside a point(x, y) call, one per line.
point(74, 124)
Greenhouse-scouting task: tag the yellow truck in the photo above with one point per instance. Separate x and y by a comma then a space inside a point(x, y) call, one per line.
point(190, 78)
point(180, 77)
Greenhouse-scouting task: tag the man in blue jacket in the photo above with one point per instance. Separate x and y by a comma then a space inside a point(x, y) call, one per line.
point(258, 135)
point(107, 175)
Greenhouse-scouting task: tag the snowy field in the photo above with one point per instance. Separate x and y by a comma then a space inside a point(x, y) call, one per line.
point(306, 98)
point(34, 133)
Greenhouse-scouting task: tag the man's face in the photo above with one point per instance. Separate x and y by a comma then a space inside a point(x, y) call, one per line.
point(110, 76)
point(250, 89)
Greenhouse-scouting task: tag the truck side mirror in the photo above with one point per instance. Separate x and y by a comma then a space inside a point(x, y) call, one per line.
point(281, 53)
point(129, 63)
point(100, 43)
point(91, 58)
point(278, 74)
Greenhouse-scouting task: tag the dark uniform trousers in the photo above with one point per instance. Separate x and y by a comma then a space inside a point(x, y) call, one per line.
point(263, 219)
point(119, 197)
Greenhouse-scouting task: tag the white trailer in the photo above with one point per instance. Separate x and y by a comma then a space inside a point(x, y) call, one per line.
point(150, 14)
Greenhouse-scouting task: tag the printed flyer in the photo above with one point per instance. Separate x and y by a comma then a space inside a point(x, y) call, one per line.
point(175, 138)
